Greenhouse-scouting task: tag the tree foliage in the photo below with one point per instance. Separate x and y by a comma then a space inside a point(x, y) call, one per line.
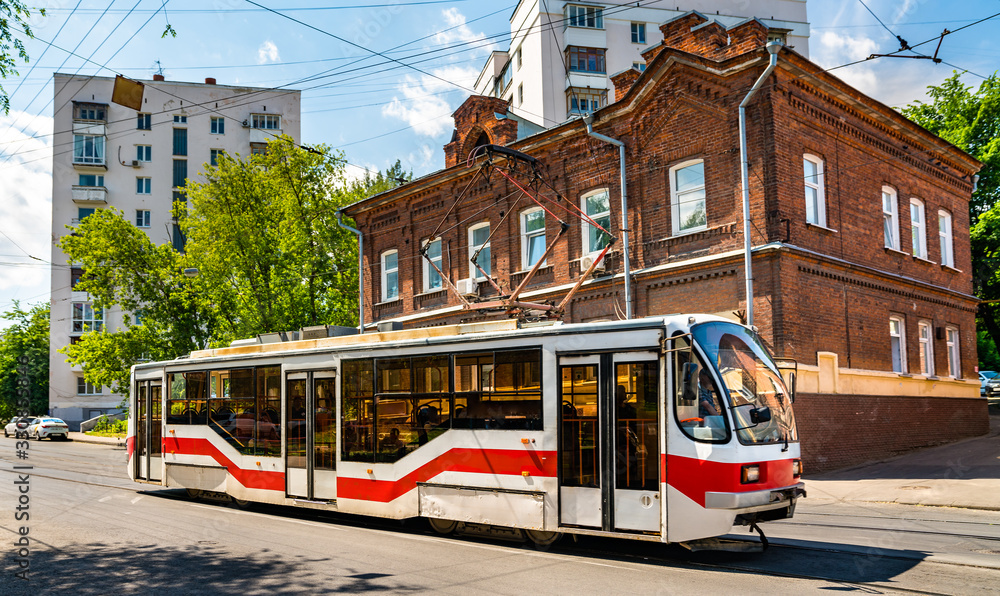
point(14, 17)
point(124, 268)
point(971, 121)
point(262, 233)
point(27, 337)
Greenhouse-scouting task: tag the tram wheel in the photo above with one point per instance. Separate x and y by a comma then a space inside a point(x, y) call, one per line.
point(241, 504)
point(193, 493)
point(541, 538)
point(442, 526)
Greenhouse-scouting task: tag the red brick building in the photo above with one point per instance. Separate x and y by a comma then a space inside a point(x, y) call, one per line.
point(860, 229)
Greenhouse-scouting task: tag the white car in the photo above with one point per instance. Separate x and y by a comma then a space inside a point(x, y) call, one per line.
point(52, 428)
point(18, 427)
point(984, 377)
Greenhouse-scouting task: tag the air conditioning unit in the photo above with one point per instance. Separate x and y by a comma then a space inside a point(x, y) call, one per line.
point(246, 124)
point(135, 163)
point(467, 287)
point(587, 261)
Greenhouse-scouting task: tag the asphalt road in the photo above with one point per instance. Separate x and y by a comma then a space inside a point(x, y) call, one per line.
point(92, 531)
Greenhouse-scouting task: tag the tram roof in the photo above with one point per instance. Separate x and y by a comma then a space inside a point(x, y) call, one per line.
point(486, 330)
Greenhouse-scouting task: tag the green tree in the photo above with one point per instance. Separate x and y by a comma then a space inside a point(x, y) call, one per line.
point(28, 337)
point(263, 234)
point(971, 121)
point(14, 16)
point(124, 268)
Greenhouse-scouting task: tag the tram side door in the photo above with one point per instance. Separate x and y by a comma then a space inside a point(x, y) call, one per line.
point(149, 431)
point(609, 441)
point(311, 435)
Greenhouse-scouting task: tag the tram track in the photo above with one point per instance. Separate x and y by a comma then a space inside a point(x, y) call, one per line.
point(594, 547)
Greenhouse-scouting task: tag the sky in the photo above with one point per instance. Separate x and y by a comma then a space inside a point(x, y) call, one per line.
point(374, 109)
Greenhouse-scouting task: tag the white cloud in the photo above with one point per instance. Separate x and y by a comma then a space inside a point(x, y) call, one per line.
point(25, 210)
point(267, 52)
point(429, 114)
point(457, 31)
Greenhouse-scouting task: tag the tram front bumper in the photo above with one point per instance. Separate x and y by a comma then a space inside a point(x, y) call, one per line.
point(759, 500)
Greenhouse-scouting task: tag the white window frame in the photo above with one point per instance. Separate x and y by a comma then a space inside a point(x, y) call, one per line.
point(945, 239)
point(527, 236)
point(901, 337)
point(954, 352)
point(143, 185)
point(143, 218)
point(473, 247)
point(386, 272)
point(213, 156)
point(925, 339)
point(890, 217)
point(428, 270)
point(675, 198)
point(180, 119)
point(918, 229)
point(637, 33)
point(265, 121)
point(91, 323)
point(95, 157)
point(577, 16)
point(85, 388)
point(217, 125)
point(640, 66)
point(517, 57)
point(144, 153)
point(587, 228)
point(819, 186)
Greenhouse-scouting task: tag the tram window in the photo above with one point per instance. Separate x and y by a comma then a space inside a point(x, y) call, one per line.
point(578, 396)
point(703, 418)
point(405, 424)
point(394, 375)
point(357, 410)
point(295, 393)
point(177, 403)
point(268, 408)
point(232, 411)
point(197, 398)
point(637, 441)
point(430, 374)
point(325, 434)
point(499, 391)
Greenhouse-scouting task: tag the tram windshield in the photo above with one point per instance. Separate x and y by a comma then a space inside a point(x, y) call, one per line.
point(752, 382)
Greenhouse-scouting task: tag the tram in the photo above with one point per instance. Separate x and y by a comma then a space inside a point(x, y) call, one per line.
point(668, 429)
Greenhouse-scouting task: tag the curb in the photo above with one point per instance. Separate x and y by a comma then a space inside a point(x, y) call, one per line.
point(98, 441)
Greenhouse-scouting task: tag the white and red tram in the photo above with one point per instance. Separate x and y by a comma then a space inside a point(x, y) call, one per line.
point(669, 429)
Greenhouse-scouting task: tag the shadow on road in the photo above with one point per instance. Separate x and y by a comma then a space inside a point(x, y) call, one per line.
point(200, 568)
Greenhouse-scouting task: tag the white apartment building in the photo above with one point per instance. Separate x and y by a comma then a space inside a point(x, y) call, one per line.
point(562, 54)
point(107, 155)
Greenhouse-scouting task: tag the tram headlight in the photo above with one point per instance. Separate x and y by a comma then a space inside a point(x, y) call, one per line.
point(796, 468)
point(750, 474)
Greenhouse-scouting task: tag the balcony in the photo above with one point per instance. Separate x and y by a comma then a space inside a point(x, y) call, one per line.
point(90, 194)
point(589, 38)
point(264, 135)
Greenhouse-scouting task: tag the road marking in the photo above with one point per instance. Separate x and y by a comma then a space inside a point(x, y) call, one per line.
point(137, 499)
point(104, 499)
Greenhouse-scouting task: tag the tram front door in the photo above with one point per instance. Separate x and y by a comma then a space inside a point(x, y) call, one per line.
point(609, 441)
point(311, 435)
point(148, 456)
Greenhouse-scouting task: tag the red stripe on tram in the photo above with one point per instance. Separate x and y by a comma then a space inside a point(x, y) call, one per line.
point(248, 478)
point(504, 462)
point(129, 446)
point(694, 477)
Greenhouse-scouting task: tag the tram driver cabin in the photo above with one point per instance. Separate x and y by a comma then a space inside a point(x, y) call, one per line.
point(859, 226)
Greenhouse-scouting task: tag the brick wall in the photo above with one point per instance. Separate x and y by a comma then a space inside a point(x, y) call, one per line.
point(844, 430)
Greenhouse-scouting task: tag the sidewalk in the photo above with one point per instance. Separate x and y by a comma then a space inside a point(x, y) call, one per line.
point(82, 438)
point(964, 474)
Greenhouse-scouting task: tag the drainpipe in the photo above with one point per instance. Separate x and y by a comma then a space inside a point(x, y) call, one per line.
point(361, 270)
point(588, 119)
point(773, 48)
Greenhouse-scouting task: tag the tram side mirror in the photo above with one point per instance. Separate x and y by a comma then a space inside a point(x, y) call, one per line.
point(689, 382)
point(760, 415)
point(791, 386)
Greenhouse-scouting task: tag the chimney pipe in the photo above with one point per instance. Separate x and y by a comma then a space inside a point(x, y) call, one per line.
point(158, 77)
point(209, 80)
